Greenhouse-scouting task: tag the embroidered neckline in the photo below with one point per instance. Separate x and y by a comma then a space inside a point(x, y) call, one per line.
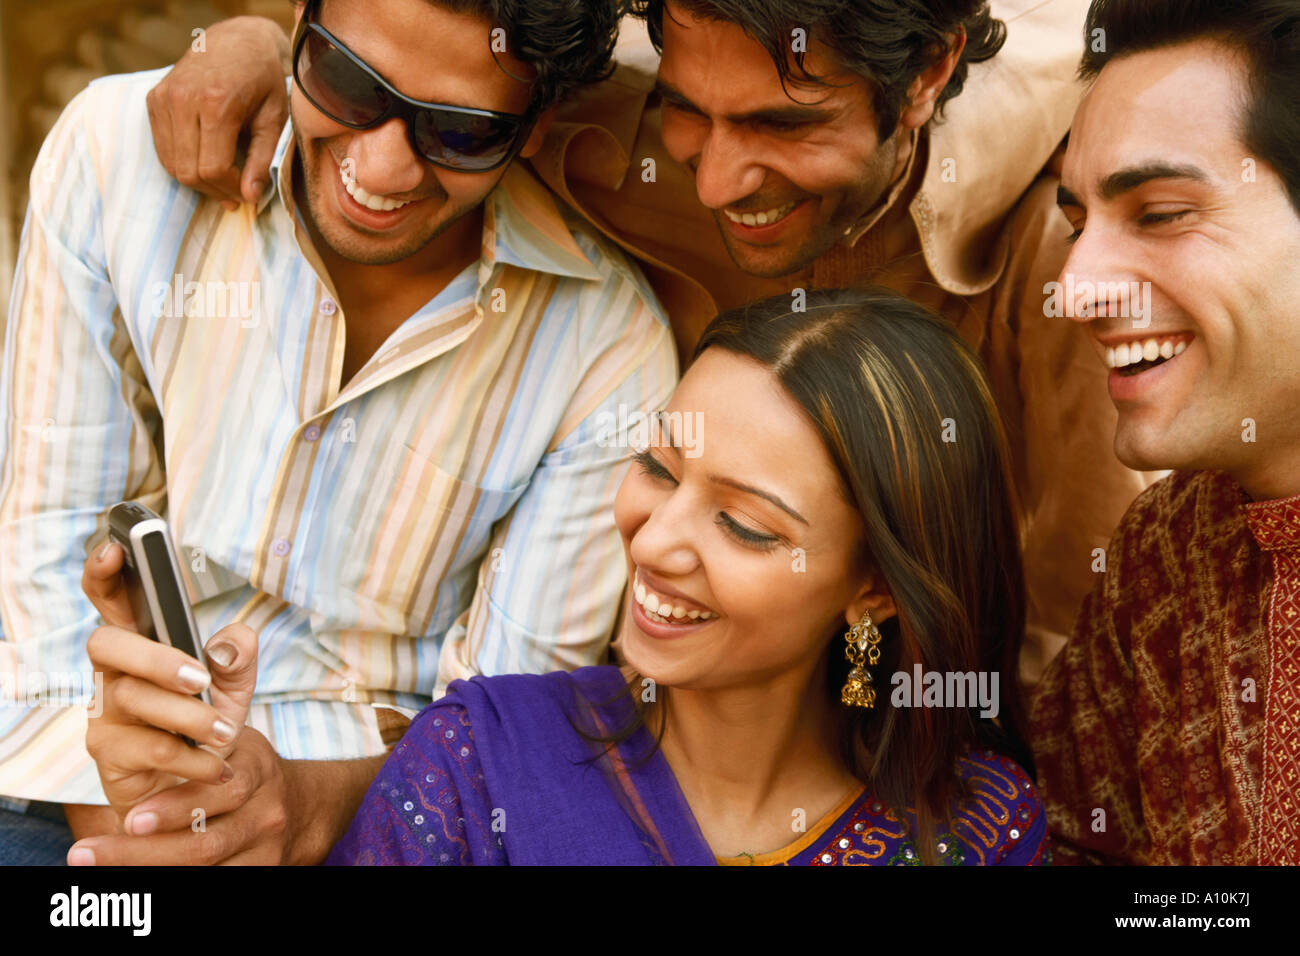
point(815, 832)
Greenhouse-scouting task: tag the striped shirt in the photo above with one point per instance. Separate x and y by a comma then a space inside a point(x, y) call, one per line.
point(448, 512)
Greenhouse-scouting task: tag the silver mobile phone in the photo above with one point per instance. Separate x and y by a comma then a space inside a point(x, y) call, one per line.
point(152, 576)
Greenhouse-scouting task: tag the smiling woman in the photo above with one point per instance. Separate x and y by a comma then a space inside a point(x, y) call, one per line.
point(852, 473)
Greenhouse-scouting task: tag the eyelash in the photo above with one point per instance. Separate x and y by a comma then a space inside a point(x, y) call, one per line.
point(1150, 219)
point(750, 539)
point(1160, 218)
point(651, 467)
point(682, 108)
point(776, 126)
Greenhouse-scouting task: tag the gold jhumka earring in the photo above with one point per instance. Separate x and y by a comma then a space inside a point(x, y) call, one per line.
point(862, 651)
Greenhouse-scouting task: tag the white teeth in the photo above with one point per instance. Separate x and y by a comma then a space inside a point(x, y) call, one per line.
point(764, 218)
point(664, 611)
point(1130, 353)
point(370, 201)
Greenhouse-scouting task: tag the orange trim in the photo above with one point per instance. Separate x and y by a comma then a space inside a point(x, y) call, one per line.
point(787, 853)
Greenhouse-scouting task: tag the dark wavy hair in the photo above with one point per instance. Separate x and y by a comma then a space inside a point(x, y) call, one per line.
point(570, 43)
point(889, 42)
point(1265, 32)
point(879, 376)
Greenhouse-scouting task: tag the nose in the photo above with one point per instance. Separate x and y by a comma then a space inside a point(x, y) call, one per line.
point(383, 162)
point(726, 170)
point(665, 542)
point(1098, 274)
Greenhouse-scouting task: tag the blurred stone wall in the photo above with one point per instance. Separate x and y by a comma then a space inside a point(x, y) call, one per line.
point(50, 50)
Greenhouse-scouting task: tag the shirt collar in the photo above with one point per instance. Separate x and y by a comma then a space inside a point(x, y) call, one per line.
point(280, 167)
point(901, 184)
point(525, 227)
point(1275, 524)
point(523, 224)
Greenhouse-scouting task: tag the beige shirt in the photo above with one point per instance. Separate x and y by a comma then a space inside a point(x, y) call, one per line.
point(970, 230)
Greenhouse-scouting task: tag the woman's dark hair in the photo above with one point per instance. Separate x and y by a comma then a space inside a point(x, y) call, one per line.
point(889, 42)
point(1265, 32)
point(906, 414)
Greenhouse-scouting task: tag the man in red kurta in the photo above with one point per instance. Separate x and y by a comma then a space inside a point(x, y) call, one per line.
point(1168, 730)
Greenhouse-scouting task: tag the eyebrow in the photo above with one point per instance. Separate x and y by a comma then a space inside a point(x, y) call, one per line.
point(766, 495)
point(794, 113)
point(1126, 180)
point(732, 483)
point(1066, 198)
point(1123, 181)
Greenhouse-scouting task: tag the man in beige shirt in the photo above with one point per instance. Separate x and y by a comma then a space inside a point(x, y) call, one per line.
point(729, 176)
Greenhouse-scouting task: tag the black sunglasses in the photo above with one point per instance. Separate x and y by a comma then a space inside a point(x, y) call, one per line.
point(346, 89)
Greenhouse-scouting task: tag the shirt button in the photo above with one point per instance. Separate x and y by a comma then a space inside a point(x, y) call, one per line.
point(280, 547)
point(327, 307)
point(312, 432)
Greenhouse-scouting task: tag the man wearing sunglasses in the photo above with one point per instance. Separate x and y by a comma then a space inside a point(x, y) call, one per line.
point(375, 408)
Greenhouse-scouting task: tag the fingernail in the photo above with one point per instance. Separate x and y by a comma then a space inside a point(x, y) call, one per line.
point(223, 654)
point(227, 773)
point(224, 731)
point(81, 856)
point(258, 186)
point(142, 824)
point(103, 552)
point(193, 677)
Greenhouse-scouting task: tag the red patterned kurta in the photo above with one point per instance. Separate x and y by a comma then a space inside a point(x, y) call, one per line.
point(1168, 730)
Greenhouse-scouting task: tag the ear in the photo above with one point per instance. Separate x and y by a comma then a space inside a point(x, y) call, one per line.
point(873, 596)
point(538, 134)
point(925, 89)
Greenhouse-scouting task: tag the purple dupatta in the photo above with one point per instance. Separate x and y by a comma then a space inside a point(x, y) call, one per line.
point(494, 772)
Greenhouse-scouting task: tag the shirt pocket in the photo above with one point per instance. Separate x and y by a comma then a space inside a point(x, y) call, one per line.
point(448, 499)
point(415, 538)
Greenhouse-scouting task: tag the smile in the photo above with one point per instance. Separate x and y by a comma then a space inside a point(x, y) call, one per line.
point(363, 198)
point(766, 218)
point(663, 610)
point(1140, 355)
